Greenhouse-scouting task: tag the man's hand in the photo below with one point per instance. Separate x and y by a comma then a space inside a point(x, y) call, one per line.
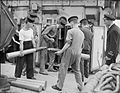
point(36, 39)
point(34, 46)
point(52, 40)
point(59, 52)
point(21, 53)
point(107, 58)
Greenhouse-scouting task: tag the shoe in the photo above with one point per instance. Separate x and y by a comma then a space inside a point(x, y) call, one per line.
point(79, 88)
point(17, 77)
point(35, 71)
point(56, 88)
point(31, 78)
point(85, 83)
point(44, 73)
point(23, 73)
point(52, 70)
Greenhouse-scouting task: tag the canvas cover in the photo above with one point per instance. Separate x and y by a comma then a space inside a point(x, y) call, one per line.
point(7, 24)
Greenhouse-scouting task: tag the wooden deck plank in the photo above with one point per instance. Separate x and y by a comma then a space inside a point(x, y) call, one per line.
point(69, 84)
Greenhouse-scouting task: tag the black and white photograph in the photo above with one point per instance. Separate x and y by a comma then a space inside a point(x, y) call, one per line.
point(59, 46)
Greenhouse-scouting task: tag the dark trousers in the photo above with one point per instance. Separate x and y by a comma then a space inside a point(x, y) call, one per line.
point(2, 57)
point(26, 59)
point(86, 64)
point(60, 46)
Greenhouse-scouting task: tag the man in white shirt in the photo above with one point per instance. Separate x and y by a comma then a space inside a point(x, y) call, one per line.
point(71, 54)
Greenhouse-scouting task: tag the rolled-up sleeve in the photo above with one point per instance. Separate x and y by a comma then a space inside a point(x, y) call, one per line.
point(69, 36)
point(21, 37)
point(47, 30)
point(32, 34)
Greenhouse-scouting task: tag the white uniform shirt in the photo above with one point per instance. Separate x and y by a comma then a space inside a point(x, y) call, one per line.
point(77, 38)
point(26, 35)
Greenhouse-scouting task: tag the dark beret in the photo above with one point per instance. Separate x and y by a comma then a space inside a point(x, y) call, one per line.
point(83, 20)
point(109, 17)
point(72, 18)
point(33, 15)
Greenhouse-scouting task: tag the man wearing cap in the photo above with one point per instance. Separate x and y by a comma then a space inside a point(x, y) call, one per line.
point(113, 39)
point(87, 46)
point(48, 39)
point(71, 54)
point(61, 36)
point(63, 22)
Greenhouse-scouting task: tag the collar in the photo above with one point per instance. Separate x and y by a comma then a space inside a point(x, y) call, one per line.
point(110, 25)
point(75, 26)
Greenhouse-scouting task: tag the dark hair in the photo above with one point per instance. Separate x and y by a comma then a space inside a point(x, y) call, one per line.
point(84, 21)
point(62, 17)
point(33, 15)
point(63, 20)
point(30, 20)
